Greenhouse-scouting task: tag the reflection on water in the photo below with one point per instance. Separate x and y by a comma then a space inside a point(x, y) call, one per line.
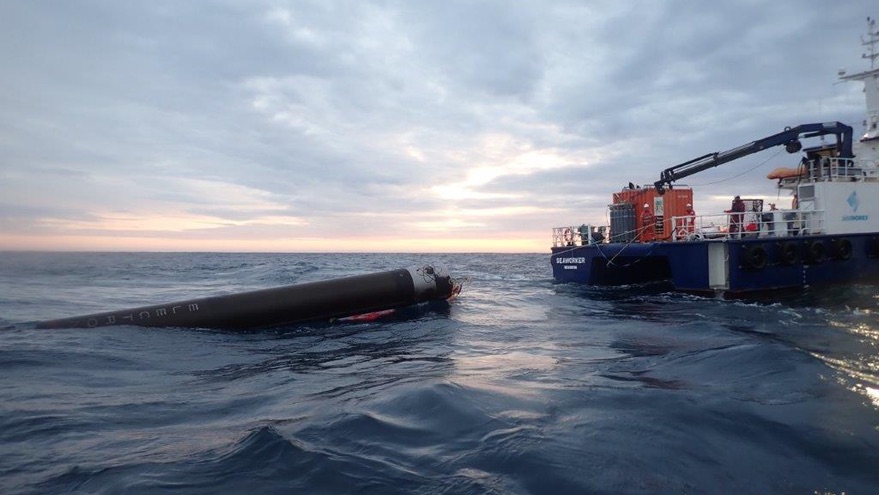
point(513, 373)
point(851, 341)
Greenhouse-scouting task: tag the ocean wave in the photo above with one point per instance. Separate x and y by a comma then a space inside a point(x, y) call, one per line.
point(519, 386)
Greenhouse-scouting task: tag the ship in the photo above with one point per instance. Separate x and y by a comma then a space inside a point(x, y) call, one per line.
point(827, 234)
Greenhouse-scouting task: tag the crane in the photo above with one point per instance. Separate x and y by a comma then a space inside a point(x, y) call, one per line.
point(789, 137)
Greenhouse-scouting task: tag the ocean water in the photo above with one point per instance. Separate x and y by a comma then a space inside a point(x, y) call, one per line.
point(519, 386)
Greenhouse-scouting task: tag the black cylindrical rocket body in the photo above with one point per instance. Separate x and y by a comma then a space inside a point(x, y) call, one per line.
point(325, 299)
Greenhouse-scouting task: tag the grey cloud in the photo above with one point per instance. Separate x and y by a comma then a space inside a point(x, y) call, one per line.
point(488, 47)
point(333, 110)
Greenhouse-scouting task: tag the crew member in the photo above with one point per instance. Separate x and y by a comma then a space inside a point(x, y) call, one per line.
point(648, 225)
point(792, 217)
point(735, 219)
point(769, 219)
point(689, 219)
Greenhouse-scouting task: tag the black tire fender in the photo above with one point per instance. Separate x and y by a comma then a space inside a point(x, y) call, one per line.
point(816, 252)
point(755, 257)
point(842, 249)
point(789, 253)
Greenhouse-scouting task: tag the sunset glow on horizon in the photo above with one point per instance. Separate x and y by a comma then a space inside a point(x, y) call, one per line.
point(275, 245)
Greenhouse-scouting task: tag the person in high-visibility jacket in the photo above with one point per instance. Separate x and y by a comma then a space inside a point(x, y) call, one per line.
point(648, 225)
point(689, 219)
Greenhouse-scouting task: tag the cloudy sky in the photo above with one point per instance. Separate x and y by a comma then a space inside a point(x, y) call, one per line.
point(383, 125)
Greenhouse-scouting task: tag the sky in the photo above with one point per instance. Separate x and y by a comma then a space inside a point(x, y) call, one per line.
point(392, 126)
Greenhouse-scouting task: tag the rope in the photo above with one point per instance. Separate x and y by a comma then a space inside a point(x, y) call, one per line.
point(610, 261)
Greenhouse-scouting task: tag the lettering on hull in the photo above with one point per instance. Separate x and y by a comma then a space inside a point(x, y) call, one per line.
point(563, 261)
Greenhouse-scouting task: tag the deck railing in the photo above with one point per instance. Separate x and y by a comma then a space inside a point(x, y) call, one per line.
point(581, 235)
point(777, 223)
point(825, 169)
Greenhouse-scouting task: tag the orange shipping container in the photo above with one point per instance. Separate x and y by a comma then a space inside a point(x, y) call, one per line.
point(663, 206)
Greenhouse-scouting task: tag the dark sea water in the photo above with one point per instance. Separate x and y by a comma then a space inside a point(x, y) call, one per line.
point(519, 386)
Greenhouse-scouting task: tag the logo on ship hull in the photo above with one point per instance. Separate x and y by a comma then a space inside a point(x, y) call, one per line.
point(854, 203)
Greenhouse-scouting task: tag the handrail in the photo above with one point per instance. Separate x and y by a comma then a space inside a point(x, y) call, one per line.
point(776, 223)
point(830, 168)
point(582, 235)
point(824, 169)
point(760, 224)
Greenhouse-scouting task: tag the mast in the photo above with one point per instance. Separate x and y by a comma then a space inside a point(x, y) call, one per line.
point(871, 81)
point(870, 43)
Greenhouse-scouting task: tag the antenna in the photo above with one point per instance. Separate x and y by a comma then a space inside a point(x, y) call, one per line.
point(870, 79)
point(870, 43)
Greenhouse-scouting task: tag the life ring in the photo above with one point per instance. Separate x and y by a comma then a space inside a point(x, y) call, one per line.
point(816, 251)
point(569, 237)
point(842, 249)
point(789, 253)
point(755, 257)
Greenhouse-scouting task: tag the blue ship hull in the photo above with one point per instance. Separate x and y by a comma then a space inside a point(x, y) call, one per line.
point(727, 266)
